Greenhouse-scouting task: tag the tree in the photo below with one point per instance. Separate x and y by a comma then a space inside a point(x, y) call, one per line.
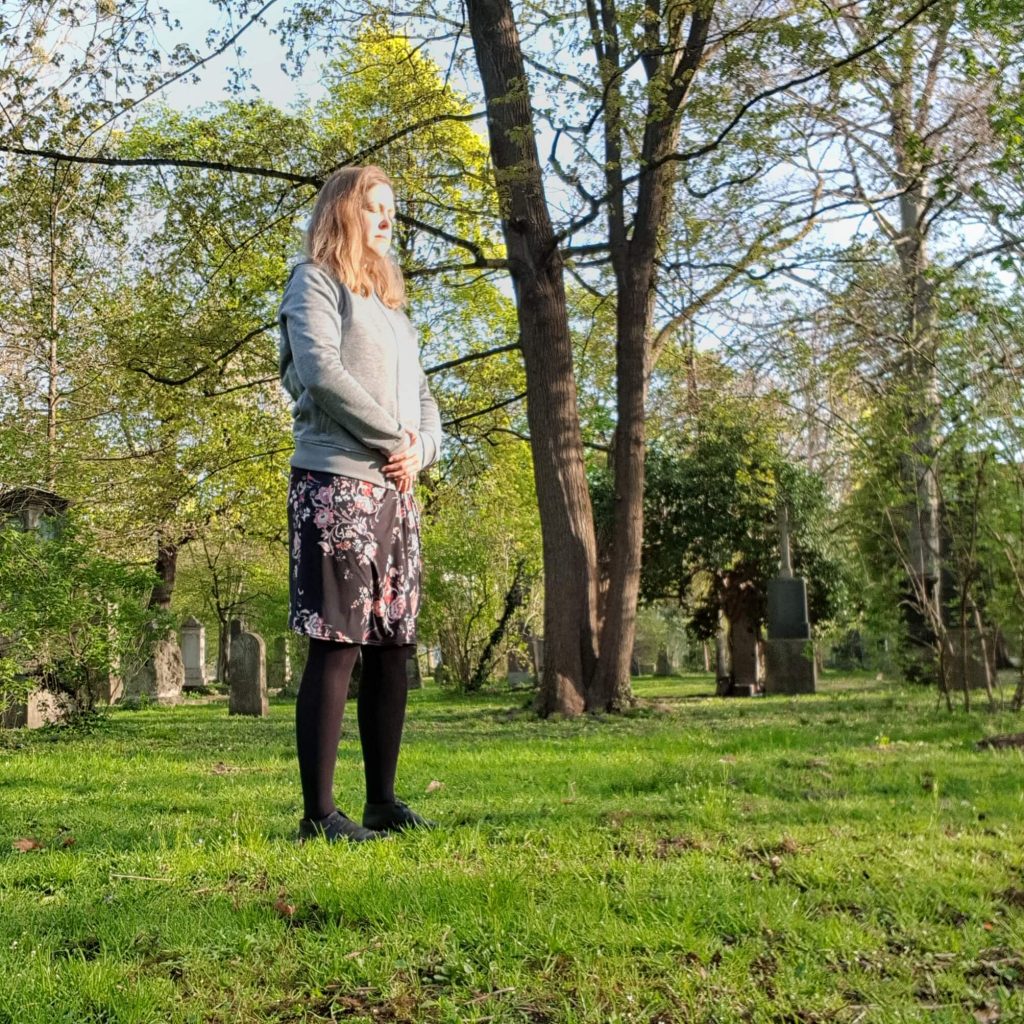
point(909, 130)
point(482, 564)
point(711, 539)
point(669, 47)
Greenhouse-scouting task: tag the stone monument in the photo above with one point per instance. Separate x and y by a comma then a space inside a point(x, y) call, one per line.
point(248, 674)
point(980, 660)
point(193, 653)
point(518, 672)
point(32, 509)
point(663, 667)
point(412, 667)
point(789, 655)
point(41, 707)
point(536, 644)
point(161, 678)
point(745, 647)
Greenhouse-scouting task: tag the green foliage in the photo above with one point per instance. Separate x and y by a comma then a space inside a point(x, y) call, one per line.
point(477, 528)
point(711, 506)
point(68, 613)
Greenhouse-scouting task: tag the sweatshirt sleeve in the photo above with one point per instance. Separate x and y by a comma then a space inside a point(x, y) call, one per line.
point(311, 326)
point(430, 424)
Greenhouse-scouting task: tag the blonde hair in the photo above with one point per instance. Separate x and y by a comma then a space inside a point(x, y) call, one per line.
point(334, 238)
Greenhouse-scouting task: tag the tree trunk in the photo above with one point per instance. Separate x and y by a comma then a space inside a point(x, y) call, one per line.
point(166, 569)
point(514, 599)
point(612, 688)
point(567, 526)
point(223, 649)
point(922, 401)
point(633, 259)
point(53, 333)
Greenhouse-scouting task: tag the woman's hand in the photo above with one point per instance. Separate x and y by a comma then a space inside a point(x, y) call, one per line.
point(403, 466)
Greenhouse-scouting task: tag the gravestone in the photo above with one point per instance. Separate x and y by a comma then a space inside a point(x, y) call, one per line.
point(745, 648)
point(41, 707)
point(790, 665)
point(248, 674)
point(161, 678)
point(536, 644)
point(412, 668)
point(518, 673)
point(976, 657)
point(279, 664)
point(107, 687)
point(32, 509)
point(193, 653)
point(106, 684)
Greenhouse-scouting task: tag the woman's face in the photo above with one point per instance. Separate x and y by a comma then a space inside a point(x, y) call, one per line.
point(378, 215)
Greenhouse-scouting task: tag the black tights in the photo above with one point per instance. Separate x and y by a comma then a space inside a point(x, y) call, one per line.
point(383, 690)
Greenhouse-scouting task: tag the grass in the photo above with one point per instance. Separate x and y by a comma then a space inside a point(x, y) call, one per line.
point(847, 857)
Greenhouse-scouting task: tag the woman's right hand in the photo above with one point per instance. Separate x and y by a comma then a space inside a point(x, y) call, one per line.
point(403, 467)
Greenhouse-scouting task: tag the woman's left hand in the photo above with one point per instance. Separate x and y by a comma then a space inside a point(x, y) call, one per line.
point(402, 467)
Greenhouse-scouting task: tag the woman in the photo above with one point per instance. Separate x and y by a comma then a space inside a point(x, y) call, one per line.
point(364, 424)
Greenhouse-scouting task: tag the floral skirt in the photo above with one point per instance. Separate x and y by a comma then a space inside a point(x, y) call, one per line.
point(354, 566)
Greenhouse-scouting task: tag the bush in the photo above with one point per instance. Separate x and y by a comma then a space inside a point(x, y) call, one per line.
point(67, 613)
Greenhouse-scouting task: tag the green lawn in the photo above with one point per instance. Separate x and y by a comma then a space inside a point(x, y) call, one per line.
point(847, 857)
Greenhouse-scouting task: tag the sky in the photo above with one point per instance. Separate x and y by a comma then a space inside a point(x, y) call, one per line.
point(263, 52)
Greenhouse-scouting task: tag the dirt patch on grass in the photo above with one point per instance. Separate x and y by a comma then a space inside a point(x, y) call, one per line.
point(1011, 897)
point(88, 947)
point(663, 848)
point(334, 1002)
point(1015, 739)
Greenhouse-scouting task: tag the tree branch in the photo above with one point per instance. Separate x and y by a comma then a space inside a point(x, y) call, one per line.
point(469, 358)
point(483, 412)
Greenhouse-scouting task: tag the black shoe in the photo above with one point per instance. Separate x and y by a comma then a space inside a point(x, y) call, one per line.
point(336, 827)
point(395, 816)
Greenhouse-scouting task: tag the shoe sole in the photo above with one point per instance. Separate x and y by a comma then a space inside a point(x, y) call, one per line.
point(305, 835)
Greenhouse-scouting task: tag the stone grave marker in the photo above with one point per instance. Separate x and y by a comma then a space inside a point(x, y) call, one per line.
point(662, 667)
point(518, 673)
point(412, 667)
point(193, 653)
point(248, 673)
point(789, 655)
point(161, 677)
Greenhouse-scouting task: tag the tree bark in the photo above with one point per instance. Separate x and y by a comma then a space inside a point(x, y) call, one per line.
point(514, 599)
point(166, 569)
point(922, 403)
point(633, 259)
point(567, 526)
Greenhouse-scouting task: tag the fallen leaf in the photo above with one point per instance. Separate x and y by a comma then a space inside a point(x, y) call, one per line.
point(987, 1014)
point(284, 908)
point(433, 786)
point(68, 841)
point(987, 926)
point(26, 844)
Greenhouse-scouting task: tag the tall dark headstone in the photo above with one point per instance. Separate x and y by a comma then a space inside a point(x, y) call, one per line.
point(789, 653)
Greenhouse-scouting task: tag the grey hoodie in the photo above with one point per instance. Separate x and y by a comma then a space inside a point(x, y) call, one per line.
point(352, 367)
